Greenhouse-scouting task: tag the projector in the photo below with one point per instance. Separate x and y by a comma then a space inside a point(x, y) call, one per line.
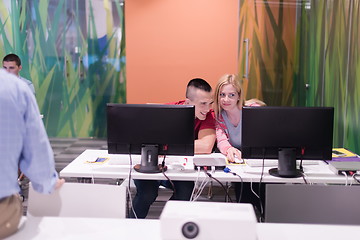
point(207, 220)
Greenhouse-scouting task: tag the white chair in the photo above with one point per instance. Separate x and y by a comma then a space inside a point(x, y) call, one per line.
point(80, 200)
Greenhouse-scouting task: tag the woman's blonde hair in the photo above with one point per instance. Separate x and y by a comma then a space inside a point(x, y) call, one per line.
point(236, 82)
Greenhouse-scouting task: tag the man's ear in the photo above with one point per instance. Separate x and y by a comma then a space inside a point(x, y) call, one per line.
point(187, 101)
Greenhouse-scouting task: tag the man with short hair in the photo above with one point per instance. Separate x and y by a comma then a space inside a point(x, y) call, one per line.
point(199, 94)
point(23, 144)
point(12, 64)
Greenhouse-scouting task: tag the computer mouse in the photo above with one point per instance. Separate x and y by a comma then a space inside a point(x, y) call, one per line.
point(237, 160)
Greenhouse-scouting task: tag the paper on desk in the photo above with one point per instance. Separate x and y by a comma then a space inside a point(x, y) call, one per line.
point(344, 155)
point(342, 152)
point(235, 163)
point(345, 159)
point(99, 160)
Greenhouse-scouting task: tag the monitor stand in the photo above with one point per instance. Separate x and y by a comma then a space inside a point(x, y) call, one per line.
point(149, 160)
point(286, 164)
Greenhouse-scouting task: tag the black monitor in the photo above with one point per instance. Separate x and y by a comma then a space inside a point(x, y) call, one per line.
point(287, 134)
point(150, 130)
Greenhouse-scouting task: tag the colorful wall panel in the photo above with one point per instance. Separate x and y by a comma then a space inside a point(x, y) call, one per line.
point(305, 53)
point(74, 53)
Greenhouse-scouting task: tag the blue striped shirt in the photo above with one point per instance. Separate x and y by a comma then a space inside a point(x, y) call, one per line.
point(29, 83)
point(23, 140)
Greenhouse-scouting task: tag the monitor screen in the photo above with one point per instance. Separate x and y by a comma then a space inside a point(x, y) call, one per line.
point(287, 134)
point(149, 130)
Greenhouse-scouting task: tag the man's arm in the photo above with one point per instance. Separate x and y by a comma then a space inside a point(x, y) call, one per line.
point(205, 142)
point(37, 157)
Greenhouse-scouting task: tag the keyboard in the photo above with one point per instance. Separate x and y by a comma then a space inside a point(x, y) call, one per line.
point(274, 162)
point(259, 162)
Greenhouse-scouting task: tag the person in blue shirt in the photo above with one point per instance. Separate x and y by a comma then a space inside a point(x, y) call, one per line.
point(12, 64)
point(24, 145)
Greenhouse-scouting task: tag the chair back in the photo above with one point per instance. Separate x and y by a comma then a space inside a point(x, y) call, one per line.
point(317, 204)
point(80, 200)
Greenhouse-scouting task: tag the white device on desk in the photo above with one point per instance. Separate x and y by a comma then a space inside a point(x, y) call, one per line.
point(344, 167)
point(216, 160)
point(207, 220)
point(180, 163)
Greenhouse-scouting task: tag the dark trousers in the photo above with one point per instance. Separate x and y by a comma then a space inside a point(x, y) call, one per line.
point(147, 192)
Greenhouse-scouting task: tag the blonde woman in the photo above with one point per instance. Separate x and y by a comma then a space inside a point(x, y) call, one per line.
point(228, 102)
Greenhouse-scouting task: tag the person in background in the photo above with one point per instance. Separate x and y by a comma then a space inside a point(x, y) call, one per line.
point(228, 103)
point(12, 64)
point(23, 144)
point(199, 94)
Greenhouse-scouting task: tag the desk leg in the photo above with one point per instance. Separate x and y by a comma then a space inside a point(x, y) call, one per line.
point(119, 181)
point(210, 192)
point(227, 186)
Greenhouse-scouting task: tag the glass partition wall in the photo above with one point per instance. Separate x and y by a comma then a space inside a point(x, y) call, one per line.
point(291, 53)
point(74, 53)
point(304, 53)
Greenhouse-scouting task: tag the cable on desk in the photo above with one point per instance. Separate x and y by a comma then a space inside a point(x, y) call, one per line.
point(128, 186)
point(195, 184)
point(355, 177)
point(344, 173)
point(210, 189)
point(260, 182)
point(301, 166)
point(163, 172)
point(252, 189)
point(307, 181)
point(301, 160)
point(303, 176)
point(197, 192)
point(228, 170)
point(201, 188)
point(257, 196)
point(226, 192)
point(92, 174)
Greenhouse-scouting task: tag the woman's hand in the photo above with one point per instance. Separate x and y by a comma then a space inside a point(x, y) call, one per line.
point(233, 153)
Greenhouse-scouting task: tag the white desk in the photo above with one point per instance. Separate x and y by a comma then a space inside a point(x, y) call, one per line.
point(87, 228)
point(80, 169)
point(285, 231)
point(44, 228)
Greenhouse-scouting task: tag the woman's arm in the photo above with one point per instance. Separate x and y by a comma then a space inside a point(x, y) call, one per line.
point(223, 143)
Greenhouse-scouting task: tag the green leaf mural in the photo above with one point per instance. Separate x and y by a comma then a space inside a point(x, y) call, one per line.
point(305, 53)
point(329, 67)
point(74, 70)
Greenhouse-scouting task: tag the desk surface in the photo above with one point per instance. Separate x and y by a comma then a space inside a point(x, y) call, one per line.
point(111, 228)
point(287, 231)
point(118, 167)
point(86, 228)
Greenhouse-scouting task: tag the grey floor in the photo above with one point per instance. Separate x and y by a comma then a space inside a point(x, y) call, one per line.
point(67, 149)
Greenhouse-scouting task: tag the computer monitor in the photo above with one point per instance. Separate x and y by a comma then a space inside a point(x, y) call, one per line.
point(287, 134)
point(150, 130)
